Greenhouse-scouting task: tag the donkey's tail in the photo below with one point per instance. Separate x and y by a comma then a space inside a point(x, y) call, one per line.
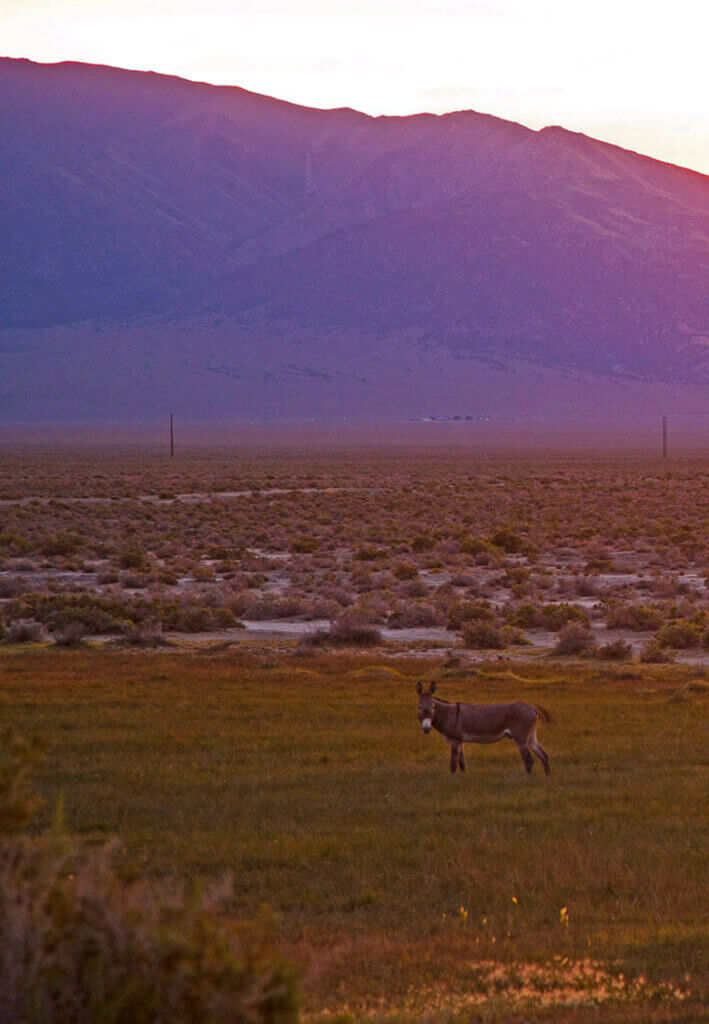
point(543, 713)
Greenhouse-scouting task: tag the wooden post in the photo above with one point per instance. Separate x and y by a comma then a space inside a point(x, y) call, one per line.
point(172, 436)
point(664, 437)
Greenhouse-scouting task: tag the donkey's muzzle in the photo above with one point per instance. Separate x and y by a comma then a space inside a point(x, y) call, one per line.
point(426, 725)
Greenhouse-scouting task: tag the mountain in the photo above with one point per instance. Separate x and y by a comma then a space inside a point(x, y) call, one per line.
point(171, 243)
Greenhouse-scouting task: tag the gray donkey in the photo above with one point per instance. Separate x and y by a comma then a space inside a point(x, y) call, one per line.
point(483, 723)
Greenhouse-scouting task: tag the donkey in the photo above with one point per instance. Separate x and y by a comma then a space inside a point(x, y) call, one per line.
point(483, 723)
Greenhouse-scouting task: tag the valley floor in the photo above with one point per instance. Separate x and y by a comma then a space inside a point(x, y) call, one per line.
point(406, 893)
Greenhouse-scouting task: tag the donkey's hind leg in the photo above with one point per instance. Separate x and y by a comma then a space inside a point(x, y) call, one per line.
point(539, 751)
point(526, 756)
point(461, 758)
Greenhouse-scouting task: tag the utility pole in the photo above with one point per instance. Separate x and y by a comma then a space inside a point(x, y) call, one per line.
point(664, 437)
point(172, 436)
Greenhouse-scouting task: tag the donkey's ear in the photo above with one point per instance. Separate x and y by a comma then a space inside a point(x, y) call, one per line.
point(419, 687)
point(432, 688)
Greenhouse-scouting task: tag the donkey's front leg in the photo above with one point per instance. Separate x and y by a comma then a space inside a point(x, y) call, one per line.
point(455, 749)
point(461, 758)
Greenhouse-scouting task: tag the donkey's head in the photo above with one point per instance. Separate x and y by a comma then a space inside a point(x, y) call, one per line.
point(426, 706)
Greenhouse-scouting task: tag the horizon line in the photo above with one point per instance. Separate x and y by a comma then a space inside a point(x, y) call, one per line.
point(349, 109)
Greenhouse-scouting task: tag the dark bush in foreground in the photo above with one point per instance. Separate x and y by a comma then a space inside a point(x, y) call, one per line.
point(83, 940)
point(78, 944)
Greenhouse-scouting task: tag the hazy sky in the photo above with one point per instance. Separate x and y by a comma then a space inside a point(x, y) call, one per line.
point(628, 71)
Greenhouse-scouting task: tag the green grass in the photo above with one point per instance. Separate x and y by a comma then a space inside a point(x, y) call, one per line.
point(310, 780)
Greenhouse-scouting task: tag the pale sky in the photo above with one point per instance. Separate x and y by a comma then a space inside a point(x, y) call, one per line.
point(633, 72)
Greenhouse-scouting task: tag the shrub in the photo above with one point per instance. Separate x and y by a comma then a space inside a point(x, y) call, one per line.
point(510, 542)
point(526, 616)
point(653, 654)
point(462, 579)
point(586, 587)
point(414, 588)
point(405, 571)
point(470, 545)
point(25, 631)
point(469, 611)
point(314, 638)
point(514, 637)
point(574, 639)
point(304, 545)
point(558, 615)
point(422, 542)
point(148, 634)
point(131, 581)
point(260, 607)
point(187, 617)
point(637, 617)
point(483, 636)
point(96, 614)
point(80, 942)
point(72, 635)
point(679, 634)
point(516, 575)
point(132, 558)
point(369, 553)
point(13, 586)
point(18, 802)
point(353, 629)
point(616, 650)
point(417, 615)
point(170, 579)
point(62, 543)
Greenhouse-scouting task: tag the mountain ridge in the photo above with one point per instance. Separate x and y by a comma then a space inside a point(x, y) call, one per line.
point(130, 196)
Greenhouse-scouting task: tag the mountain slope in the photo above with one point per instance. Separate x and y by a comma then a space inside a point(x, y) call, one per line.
point(142, 206)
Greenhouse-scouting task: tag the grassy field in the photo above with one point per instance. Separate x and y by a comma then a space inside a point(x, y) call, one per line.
point(408, 893)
